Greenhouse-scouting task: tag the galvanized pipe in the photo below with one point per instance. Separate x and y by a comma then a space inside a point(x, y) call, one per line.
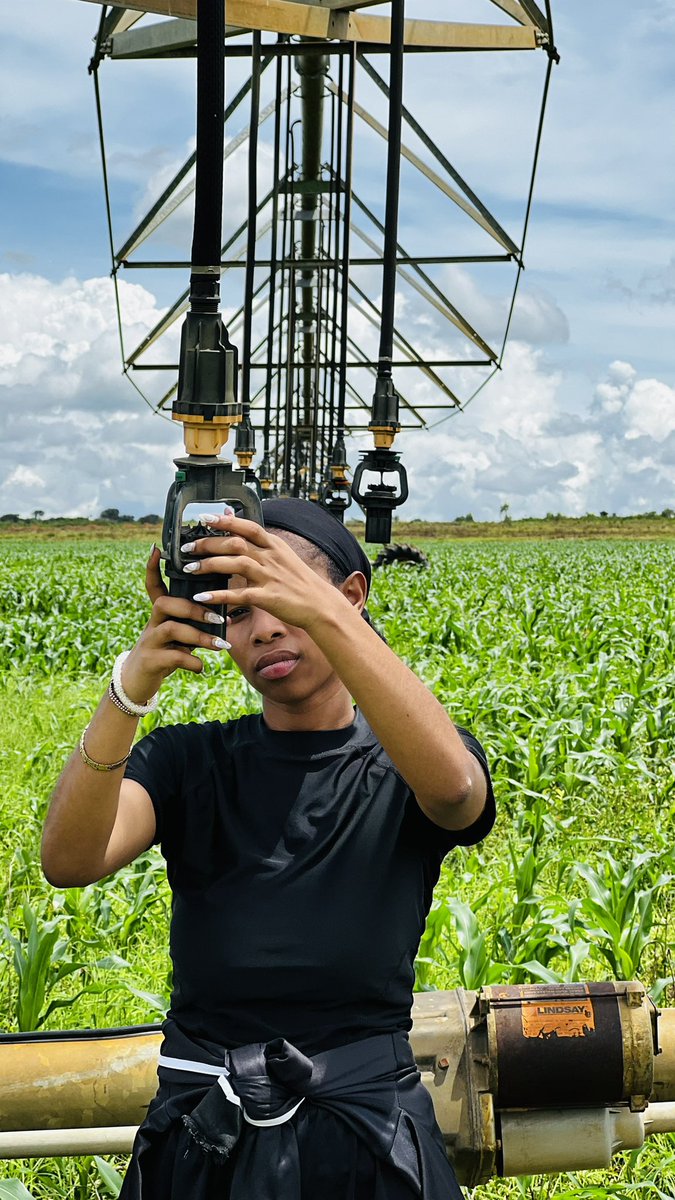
point(312, 71)
point(89, 1091)
point(59, 1143)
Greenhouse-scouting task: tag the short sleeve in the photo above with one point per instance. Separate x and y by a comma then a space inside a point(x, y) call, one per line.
point(157, 762)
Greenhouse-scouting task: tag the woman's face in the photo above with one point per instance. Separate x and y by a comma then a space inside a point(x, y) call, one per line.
point(280, 660)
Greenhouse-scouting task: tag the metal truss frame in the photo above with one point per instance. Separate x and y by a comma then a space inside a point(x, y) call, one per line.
point(296, 245)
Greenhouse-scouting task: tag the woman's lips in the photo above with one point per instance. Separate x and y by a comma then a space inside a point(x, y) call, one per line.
point(278, 670)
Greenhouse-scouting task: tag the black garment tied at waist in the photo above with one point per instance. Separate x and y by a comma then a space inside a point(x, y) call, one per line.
point(372, 1085)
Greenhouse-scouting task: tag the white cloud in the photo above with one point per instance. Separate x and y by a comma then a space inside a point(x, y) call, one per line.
point(537, 318)
point(514, 445)
point(650, 410)
point(23, 477)
point(77, 437)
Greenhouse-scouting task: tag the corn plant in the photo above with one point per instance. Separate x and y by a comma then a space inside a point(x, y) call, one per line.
point(39, 958)
point(619, 908)
point(13, 1189)
point(559, 656)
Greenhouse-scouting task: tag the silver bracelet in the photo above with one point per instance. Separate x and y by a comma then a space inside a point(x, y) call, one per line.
point(129, 706)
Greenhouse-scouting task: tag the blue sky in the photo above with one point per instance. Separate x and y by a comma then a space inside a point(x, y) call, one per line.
point(582, 417)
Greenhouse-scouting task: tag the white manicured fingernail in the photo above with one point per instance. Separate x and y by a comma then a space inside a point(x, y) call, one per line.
point(203, 597)
point(214, 618)
point(193, 566)
point(188, 547)
point(208, 518)
point(228, 511)
point(220, 644)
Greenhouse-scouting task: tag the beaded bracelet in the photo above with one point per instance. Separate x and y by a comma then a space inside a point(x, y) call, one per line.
point(97, 766)
point(132, 709)
point(114, 699)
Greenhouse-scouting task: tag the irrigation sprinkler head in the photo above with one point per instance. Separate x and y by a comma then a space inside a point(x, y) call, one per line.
point(206, 404)
point(207, 484)
point(380, 499)
point(335, 495)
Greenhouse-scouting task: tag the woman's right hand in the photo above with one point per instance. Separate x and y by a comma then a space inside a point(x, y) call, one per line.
point(167, 644)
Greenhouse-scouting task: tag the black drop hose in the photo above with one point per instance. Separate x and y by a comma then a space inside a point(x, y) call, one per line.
point(347, 222)
point(273, 260)
point(252, 217)
point(208, 218)
point(393, 186)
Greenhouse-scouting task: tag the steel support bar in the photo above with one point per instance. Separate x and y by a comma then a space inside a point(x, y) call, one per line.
point(312, 72)
point(440, 303)
point(457, 198)
point(323, 264)
point(143, 228)
point(337, 4)
point(536, 15)
point(405, 346)
point(280, 366)
point(344, 274)
point(310, 20)
point(118, 20)
point(449, 311)
point(174, 199)
point(180, 305)
point(444, 35)
point(515, 10)
point(471, 196)
point(57, 1143)
point(251, 221)
point(234, 49)
point(163, 38)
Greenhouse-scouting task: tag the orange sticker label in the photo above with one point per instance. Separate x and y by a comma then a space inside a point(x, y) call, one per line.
point(558, 1018)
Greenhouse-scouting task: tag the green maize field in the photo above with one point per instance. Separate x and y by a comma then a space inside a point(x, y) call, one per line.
point(560, 656)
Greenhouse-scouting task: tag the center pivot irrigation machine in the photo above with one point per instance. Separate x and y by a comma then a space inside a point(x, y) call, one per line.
point(524, 1078)
point(310, 275)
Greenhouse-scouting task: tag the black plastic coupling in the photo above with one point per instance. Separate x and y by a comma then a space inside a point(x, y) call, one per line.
point(338, 456)
point(265, 474)
point(385, 404)
point(245, 441)
point(207, 374)
point(379, 499)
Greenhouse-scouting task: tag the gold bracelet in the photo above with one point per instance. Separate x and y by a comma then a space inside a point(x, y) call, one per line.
point(97, 766)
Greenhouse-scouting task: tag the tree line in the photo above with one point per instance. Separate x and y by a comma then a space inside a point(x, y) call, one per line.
point(112, 515)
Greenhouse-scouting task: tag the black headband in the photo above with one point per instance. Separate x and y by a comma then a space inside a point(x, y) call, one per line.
point(312, 522)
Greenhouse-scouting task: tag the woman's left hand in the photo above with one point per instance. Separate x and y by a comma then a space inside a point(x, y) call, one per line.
point(277, 579)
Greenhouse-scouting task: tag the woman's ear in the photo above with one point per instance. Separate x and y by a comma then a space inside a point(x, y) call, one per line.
point(355, 588)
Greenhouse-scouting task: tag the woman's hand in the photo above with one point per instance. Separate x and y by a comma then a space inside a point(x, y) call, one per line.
point(167, 643)
point(277, 579)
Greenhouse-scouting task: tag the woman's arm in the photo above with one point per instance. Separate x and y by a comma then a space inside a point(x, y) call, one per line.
point(98, 821)
point(414, 729)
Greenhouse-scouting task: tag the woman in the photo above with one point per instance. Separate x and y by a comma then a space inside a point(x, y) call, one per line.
point(302, 847)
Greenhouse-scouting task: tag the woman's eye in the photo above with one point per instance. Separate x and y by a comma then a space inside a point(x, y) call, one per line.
point(235, 613)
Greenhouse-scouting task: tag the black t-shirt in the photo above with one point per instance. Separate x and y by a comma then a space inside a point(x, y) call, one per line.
point(302, 872)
